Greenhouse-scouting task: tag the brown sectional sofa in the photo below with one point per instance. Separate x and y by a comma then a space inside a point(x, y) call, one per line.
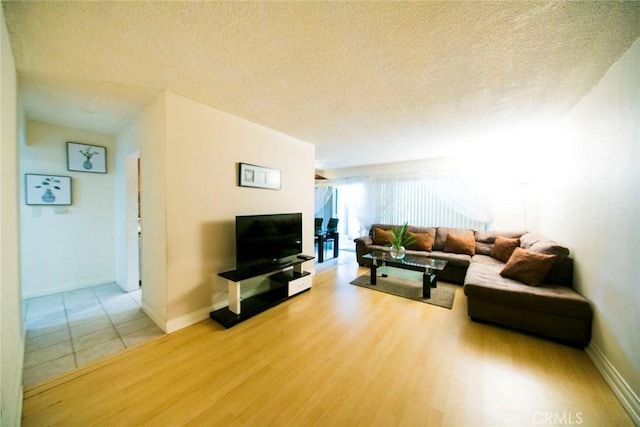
point(552, 308)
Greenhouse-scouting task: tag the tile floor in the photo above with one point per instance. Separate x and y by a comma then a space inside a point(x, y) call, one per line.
point(68, 330)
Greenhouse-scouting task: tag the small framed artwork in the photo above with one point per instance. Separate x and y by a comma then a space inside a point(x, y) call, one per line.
point(47, 189)
point(259, 177)
point(86, 158)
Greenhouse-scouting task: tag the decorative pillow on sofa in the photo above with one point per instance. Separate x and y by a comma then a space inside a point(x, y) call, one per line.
point(504, 247)
point(486, 239)
point(443, 232)
point(382, 237)
point(460, 244)
point(423, 242)
point(528, 267)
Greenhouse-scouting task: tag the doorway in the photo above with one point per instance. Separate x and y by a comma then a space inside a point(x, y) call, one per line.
point(133, 221)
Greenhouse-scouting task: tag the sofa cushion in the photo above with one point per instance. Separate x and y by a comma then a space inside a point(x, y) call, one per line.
point(423, 242)
point(504, 247)
point(483, 248)
point(549, 247)
point(483, 281)
point(490, 236)
point(528, 267)
point(382, 237)
point(412, 228)
point(486, 259)
point(457, 260)
point(441, 236)
point(561, 274)
point(460, 244)
point(535, 242)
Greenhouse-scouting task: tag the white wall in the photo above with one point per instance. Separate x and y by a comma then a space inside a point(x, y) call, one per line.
point(11, 329)
point(189, 157)
point(589, 198)
point(145, 134)
point(73, 246)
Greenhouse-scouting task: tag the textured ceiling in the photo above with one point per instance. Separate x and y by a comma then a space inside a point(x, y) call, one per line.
point(365, 82)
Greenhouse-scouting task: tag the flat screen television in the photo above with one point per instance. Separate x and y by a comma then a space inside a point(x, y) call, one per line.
point(262, 240)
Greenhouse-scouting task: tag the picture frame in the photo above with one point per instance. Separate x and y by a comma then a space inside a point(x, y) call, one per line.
point(258, 177)
point(86, 158)
point(47, 189)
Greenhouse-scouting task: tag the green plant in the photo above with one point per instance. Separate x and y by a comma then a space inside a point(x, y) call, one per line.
point(401, 237)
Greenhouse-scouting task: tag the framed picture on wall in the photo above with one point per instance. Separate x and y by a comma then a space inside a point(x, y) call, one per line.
point(259, 177)
point(47, 189)
point(86, 158)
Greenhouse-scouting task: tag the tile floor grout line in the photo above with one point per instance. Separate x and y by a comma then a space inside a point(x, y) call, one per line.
point(113, 325)
point(73, 347)
point(117, 331)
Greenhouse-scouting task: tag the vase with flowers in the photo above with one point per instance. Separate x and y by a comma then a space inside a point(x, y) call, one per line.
point(88, 153)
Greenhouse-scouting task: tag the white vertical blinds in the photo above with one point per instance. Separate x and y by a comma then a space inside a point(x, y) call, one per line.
point(418, 200)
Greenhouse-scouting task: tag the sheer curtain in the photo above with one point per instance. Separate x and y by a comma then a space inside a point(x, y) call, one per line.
point(322, 195)
point(416, 199)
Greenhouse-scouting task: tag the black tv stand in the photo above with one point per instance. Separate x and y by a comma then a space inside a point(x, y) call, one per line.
point(289, 282)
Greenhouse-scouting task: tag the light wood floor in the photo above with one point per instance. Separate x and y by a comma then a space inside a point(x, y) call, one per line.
point(338, 355)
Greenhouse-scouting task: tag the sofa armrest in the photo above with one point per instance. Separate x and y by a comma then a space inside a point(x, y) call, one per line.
point(364, 240)
point(362, 248)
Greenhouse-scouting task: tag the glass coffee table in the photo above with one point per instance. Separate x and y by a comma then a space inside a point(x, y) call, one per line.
point(428, 266)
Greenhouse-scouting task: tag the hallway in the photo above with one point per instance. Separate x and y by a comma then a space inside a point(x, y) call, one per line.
point(72, 329)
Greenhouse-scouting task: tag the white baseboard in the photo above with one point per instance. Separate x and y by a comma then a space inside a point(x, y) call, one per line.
point(619, 386)
point(66, 288)
point(160, 321)
point(191, 318)
point(172, 325)
point(187, 320)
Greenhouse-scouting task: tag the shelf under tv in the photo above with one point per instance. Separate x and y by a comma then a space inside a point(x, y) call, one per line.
point(288, 284)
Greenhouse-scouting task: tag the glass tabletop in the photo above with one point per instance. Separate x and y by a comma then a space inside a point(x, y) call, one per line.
point(409, 260)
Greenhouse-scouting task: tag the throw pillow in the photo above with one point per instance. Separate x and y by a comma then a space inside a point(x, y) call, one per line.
point(382, 237)
point(460, 244)
point(528, 267)
point(424, 242)
point(503, 248)
point(443, 232)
